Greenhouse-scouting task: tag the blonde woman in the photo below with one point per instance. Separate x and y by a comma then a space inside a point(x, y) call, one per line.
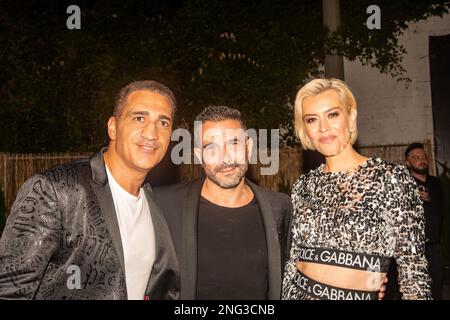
point(353, 214)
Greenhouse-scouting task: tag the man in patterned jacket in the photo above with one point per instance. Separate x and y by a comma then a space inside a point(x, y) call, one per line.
point(89, 229)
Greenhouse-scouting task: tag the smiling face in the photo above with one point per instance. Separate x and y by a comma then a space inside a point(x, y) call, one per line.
point(327, 123)
point(225, 151)
point(140, 135)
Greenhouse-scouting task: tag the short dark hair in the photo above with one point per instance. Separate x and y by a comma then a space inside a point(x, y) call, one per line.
point(412, 146)
point(150, 85)
point(220, 113)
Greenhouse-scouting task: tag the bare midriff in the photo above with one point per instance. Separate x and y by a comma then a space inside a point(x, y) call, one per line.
point(342, 277)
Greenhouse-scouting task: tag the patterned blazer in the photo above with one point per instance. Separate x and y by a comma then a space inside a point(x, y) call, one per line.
point(63, 224)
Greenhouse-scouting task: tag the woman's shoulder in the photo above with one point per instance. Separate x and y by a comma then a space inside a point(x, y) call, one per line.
point(391, 171)
point(385, 168)
point(396, 181)
point(306, 178)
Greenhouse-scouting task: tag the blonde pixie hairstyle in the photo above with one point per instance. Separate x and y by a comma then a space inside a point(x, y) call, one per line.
point(315, 87)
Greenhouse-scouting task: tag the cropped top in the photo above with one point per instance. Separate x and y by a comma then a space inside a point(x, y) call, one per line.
point(359, 219)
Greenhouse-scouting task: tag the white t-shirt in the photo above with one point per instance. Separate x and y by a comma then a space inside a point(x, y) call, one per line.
point(138, 237)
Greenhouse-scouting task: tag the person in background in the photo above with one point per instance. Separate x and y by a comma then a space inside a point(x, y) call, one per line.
point(430, 191)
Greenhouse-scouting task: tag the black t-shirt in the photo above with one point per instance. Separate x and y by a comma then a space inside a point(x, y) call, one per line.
point(232, 253)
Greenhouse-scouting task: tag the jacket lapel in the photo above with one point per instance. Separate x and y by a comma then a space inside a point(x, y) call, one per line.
point(273, 242)
point(101, 189)
point(188, 263)
point(165, 267)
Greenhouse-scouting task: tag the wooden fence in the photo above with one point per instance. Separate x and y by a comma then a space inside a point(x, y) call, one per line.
point(15, 169)
point(290, 167)
point(396, 153)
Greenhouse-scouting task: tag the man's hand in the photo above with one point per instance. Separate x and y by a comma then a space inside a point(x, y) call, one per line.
point(383, 288)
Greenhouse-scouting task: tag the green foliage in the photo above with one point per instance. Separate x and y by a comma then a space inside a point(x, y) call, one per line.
point(381, 48)
point(57, 86)
point(250, 55)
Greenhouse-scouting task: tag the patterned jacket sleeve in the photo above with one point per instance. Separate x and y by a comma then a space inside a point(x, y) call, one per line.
point(405, 209)
point(287, 230)
point(289, 291)
point(30, 238)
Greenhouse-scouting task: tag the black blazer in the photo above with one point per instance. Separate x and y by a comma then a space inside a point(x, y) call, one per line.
point(434, 211)
point(180, 206)
point(66, 217)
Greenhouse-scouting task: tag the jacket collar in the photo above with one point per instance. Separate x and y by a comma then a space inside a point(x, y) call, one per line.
point(98, 168)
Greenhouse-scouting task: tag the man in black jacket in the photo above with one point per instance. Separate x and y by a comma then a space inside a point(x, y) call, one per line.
point(89, 229)
point(231, 236)
point(433, 203)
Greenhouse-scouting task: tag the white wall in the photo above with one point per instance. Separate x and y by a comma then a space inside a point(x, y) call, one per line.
point(389, 113)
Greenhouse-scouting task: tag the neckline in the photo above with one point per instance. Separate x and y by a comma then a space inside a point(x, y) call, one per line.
point(130, 196)
point(361, 166)
point(204, 200)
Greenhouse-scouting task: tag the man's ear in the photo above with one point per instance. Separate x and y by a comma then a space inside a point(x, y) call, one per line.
point(407, 163)
point(112, 128)
point(198, 154)
point(249, 145)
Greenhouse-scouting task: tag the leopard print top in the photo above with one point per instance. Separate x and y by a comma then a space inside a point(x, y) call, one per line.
point(374, 209)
